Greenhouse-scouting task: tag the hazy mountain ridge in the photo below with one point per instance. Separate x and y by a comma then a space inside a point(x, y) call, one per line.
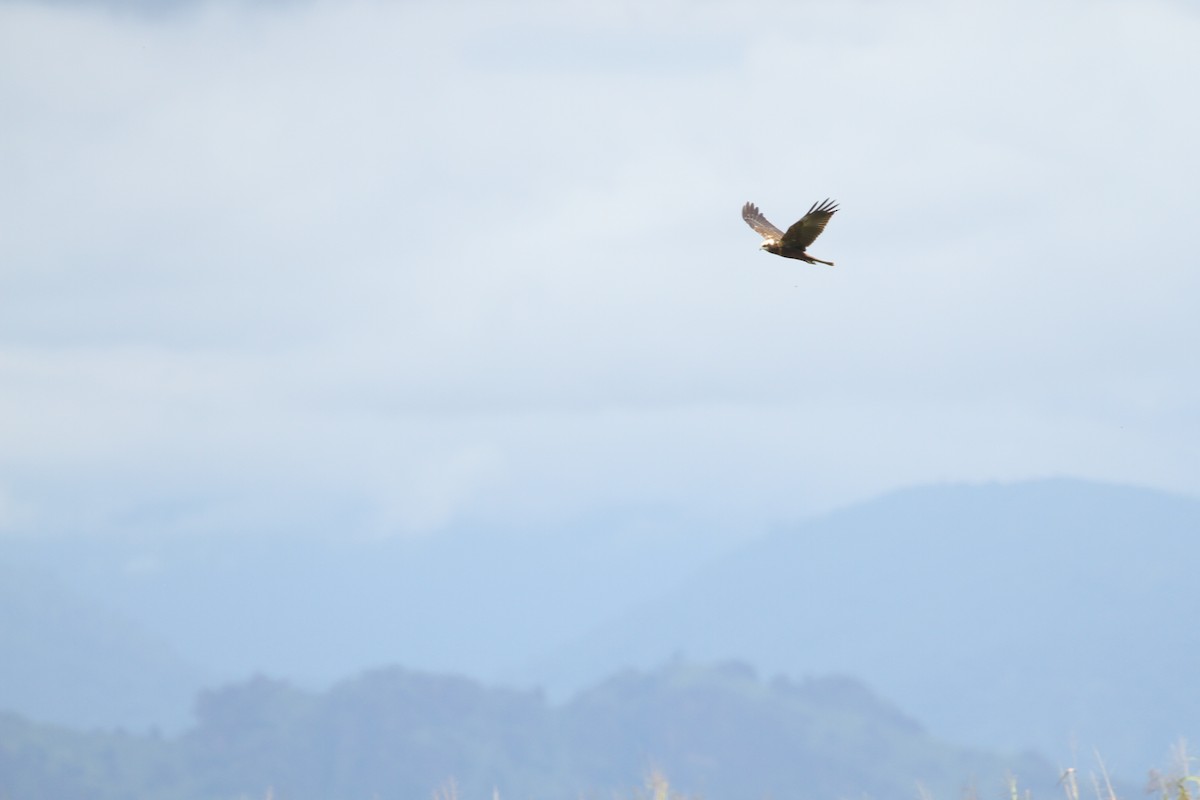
point(1040, 614)
point(718, 730)
point(316, 608)
point(1012, 615)
point(67, 660)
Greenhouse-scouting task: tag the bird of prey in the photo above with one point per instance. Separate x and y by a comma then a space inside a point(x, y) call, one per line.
point(798, 237)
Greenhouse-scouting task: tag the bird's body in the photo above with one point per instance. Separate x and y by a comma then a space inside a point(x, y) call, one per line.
point(796, 240)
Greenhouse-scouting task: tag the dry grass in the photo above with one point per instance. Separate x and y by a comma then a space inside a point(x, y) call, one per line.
point(1180, 782)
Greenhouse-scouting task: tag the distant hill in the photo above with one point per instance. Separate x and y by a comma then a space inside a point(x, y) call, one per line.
point(720, 732)
point(714, 730)
point(1054, 614)
point(66, 660)
point(1049, 615)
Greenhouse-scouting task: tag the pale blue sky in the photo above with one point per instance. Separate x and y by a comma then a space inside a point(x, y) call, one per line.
point(396, 267)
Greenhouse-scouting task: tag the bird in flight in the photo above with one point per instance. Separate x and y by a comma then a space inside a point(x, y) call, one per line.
point(798, 237)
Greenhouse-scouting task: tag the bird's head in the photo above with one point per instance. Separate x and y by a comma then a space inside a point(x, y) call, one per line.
point(770, 245)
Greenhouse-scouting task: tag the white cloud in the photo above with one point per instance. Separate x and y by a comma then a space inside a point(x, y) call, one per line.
point(411, 265)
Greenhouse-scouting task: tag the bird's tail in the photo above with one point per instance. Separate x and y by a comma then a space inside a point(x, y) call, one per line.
point(812, 260)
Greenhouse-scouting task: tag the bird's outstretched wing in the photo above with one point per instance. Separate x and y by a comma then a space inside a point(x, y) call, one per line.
point(756, 220)
point(809, 227)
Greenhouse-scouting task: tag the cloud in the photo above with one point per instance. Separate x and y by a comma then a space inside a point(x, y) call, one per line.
point(400, 265)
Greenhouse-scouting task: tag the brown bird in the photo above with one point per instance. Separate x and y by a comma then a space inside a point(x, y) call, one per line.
point(798, 237)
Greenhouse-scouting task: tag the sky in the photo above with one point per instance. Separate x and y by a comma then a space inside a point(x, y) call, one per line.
point(396, 268)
